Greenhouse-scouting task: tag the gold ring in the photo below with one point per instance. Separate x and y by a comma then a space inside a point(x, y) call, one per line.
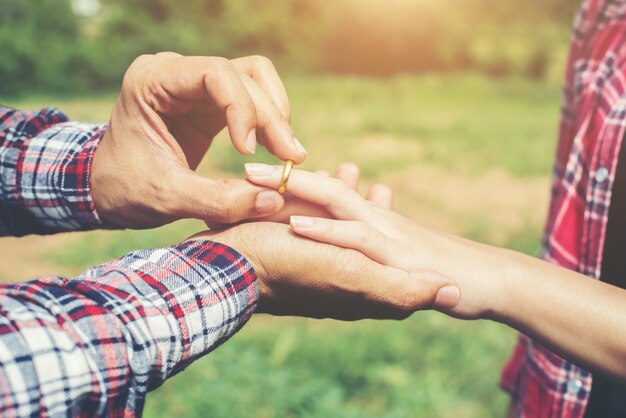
point(282, 188)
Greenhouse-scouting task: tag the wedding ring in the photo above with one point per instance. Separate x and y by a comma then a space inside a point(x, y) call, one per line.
point(282, 188)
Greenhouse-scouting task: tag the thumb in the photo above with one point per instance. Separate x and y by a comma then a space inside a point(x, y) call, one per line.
point(223, 201)
point(448, 294)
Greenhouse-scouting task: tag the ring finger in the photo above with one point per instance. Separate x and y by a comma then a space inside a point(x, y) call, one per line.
point(330, 193)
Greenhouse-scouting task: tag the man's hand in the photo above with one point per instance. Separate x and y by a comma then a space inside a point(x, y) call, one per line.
point(301, 277)
point(169, 110)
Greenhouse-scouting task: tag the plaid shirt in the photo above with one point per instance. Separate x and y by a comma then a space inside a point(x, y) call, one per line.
point(96, 344)
point(592, 127)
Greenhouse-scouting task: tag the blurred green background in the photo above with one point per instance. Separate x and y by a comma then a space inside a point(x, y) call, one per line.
point(42, 41)
point(454, 103)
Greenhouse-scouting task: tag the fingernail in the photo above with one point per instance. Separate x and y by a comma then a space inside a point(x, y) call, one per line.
point(302, 222)
point(448, 297)
point(251, 142)
point(266, 201)
point(298, 145)
point(259, 170)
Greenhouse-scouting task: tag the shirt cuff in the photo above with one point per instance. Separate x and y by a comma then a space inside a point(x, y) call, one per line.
point(46, 164)
point(72, 178)
point(192, 297)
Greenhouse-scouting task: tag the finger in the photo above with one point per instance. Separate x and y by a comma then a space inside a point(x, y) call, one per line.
point(330, 193)
point(349, 174)
point(381, 195)
point(168, 54)
point(397, 294)
point(347, 234)
point(292, 207)
point(279, 137)
point(263, 72)
point(297, 207)
point(376, 247)
point(222, 201)
point(449, 294)
point(355, 288)
point(215, 79)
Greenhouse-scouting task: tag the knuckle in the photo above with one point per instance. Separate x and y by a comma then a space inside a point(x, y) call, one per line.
point(168, 54)
point(339, 193)
point(219, 65)
point(133, 74)
point(142, 59)
point(327, 227)
point(215, 69)
point(339, 187)
point(274, 122)
point(362, 233)
point(246, 113)
point(262, 61)
point(285, 109)
point(223, 206)
point(247, 106)
point(415, 297)
point(143, 78)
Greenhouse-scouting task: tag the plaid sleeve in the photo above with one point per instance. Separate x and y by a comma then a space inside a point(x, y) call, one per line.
point(95, 345)
point(44, 172)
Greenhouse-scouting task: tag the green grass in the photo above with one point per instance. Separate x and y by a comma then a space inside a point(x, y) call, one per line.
point(427, 366)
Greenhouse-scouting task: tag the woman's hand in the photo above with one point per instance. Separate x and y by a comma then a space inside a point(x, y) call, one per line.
point(347, 173)
point(301, 277)
point(390, 239)
point(168, 112)
point(578, 318)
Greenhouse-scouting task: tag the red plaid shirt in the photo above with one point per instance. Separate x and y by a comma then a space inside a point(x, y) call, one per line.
point(95, 345)
point(592, 127)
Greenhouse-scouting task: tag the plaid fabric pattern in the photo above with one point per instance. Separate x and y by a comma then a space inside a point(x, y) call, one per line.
point(95, 345)
point(592, 127)
point(44, 172)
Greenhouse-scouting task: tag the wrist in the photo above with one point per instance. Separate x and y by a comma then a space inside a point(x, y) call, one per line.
point(483, 274)
point(509, 270)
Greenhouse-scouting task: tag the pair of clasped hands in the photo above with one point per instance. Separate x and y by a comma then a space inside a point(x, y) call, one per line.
point(320, 250)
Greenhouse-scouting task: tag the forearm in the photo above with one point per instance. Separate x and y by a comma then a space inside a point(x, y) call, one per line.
point(581, 319)
point(97, 344)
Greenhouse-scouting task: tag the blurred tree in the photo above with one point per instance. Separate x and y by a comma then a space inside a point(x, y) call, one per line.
point(44, 46)
point(499, 37)
point(36, 39)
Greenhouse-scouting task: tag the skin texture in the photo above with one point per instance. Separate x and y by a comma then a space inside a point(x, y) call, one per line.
point(169, 110)
point(581, 319)
point(301, 277)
